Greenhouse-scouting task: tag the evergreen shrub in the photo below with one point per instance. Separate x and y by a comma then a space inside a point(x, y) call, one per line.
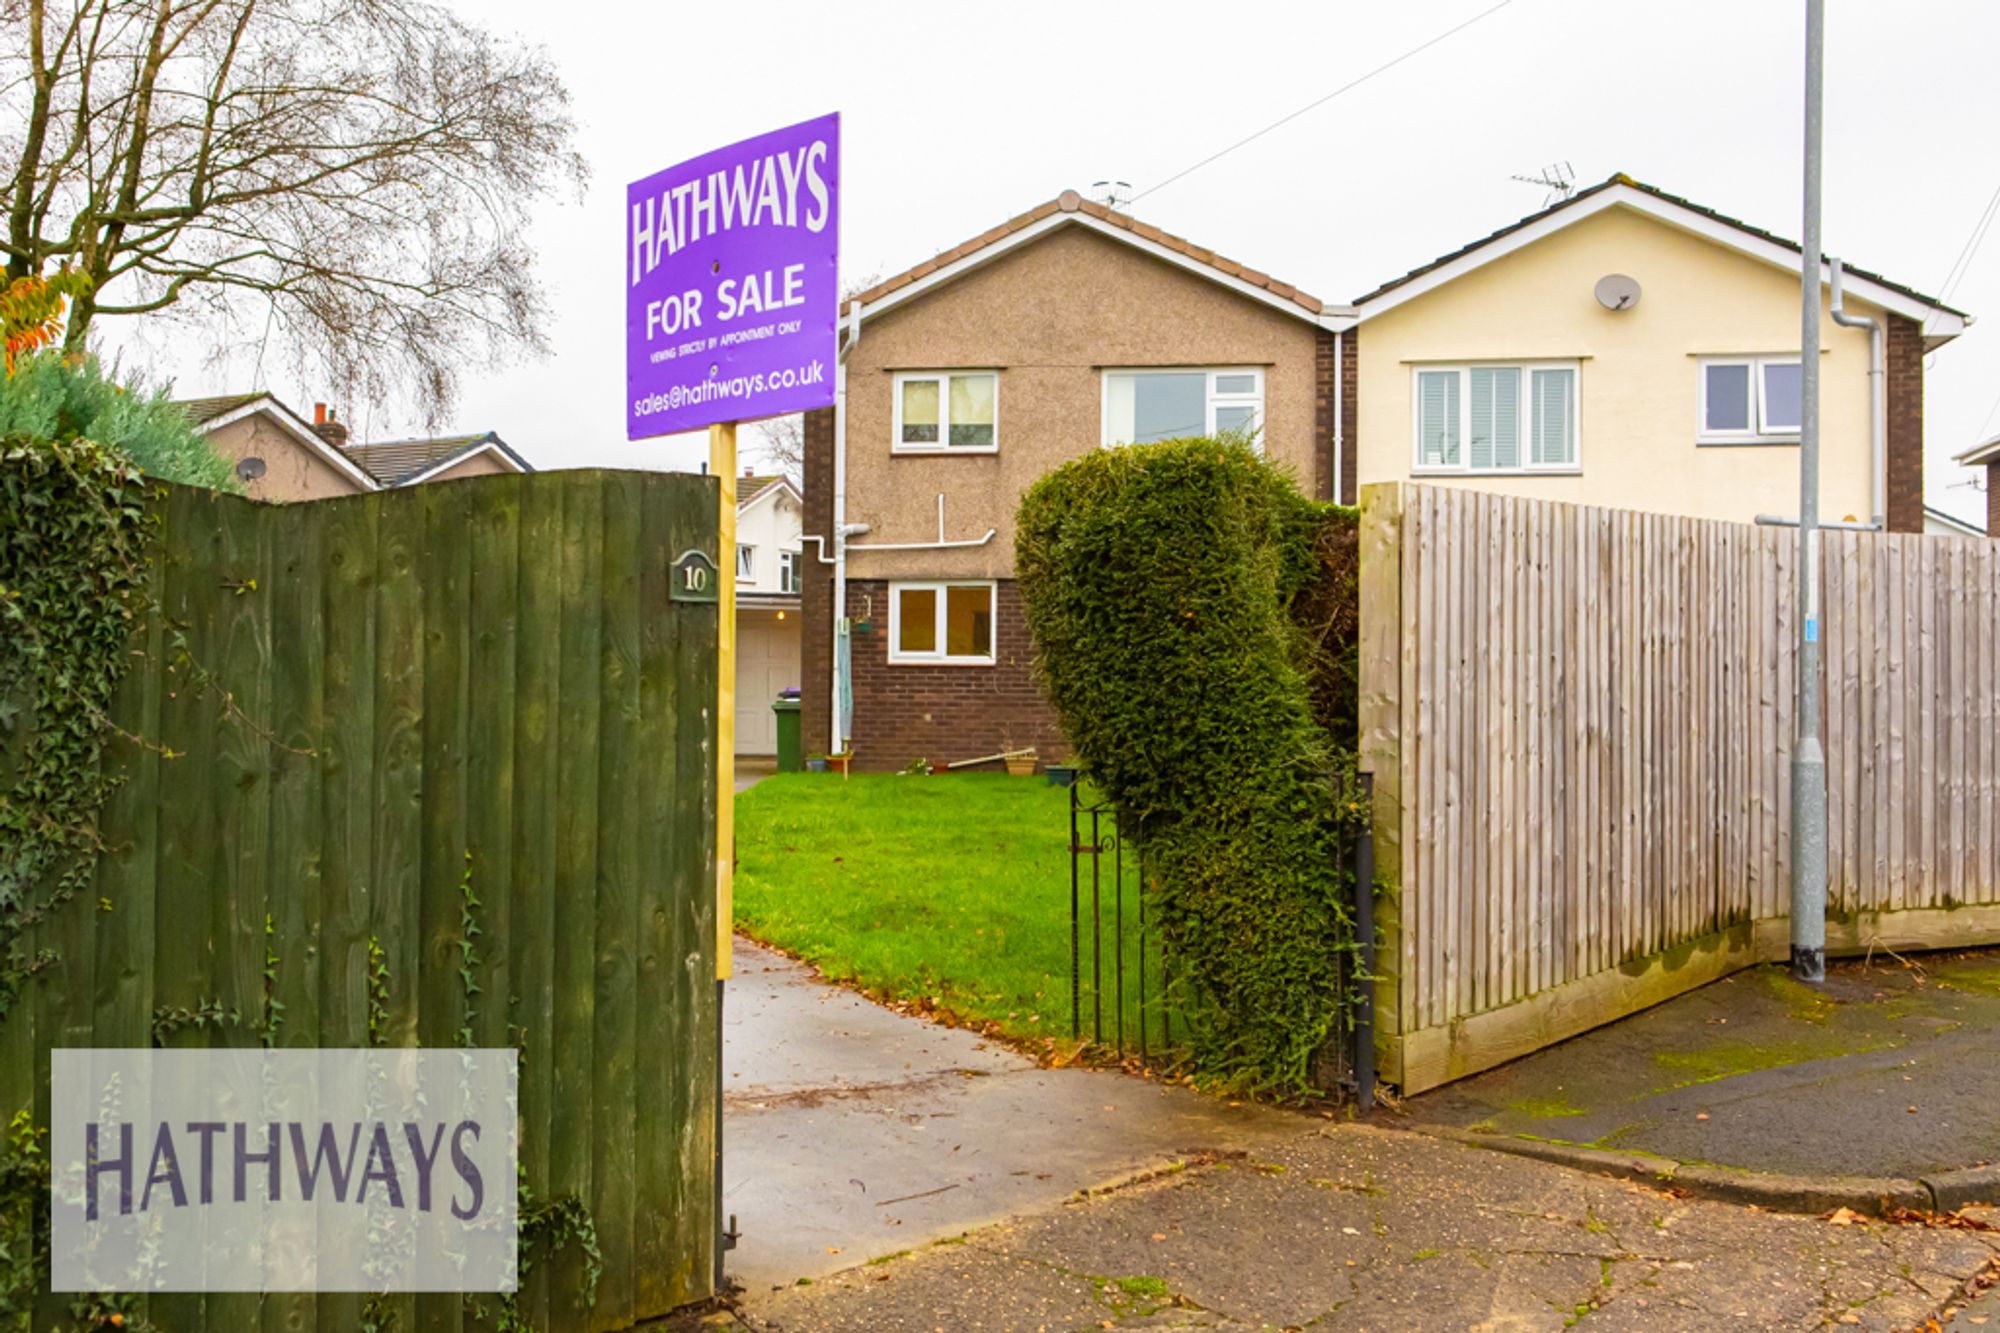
point(1186, 602)
point(51, 397)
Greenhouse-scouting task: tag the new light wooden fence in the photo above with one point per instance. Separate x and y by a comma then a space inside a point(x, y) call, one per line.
point(478, 678)
point(1580, 723)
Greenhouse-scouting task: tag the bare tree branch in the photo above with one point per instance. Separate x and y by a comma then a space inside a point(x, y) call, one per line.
point(358, 171)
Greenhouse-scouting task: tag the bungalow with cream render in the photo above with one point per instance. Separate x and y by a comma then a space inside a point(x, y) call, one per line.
point(1623, 347)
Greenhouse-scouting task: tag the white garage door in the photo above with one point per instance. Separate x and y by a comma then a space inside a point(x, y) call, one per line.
point(767, 660)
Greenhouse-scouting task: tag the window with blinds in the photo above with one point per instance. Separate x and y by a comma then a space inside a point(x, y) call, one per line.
point(1749, 400)
point(1495, 418)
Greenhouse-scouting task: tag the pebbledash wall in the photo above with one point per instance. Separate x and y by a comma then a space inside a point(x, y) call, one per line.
point(1049, 318)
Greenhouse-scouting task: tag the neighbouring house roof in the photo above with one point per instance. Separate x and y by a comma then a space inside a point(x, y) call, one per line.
point(406, 462)
point(1943, 323)
point(201, 411)
point(1986, 451)
point(212, 413)
point(1071, 209)
point(751, 489)
point(1932, 514)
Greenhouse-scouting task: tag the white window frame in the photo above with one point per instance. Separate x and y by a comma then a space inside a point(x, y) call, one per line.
point(940, 587)
point(1759, 432)
point(1211, 398)
point(788, 571)
point(746, 562)
point(943, 380)
point(1525, 404)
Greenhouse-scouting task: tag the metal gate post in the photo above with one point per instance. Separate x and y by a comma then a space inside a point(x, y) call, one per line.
point(1364, 937)
point(1075, 939)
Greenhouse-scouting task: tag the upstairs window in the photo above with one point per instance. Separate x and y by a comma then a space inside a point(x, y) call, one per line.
point(746, 562)
point(788, 571)
point(950, 623)
point(947, 412)
point(1495, 418)
point(1142, 406)
point(1750, 400)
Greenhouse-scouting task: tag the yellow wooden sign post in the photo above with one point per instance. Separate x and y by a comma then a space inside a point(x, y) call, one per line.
point(722, 462)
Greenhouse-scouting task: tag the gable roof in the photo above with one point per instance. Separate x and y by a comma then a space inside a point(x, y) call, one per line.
point(201, 411)
point(1979, 455)
point(1072, 209)
point(406, 462)
point(211, 414)
point(1943, 323)
point(1932, 514)
point(751, 489)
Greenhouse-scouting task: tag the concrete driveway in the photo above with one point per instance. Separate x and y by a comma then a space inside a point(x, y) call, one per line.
point(852, 1133)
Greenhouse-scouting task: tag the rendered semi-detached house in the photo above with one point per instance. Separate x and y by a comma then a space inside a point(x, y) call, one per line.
point(1511, 365)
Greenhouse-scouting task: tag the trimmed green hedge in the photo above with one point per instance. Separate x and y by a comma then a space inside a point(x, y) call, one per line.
point(1189, 610)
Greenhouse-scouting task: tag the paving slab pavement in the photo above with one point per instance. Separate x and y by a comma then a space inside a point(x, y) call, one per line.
point(1889, 1070)
point(852, 1132)
point(1359, 1228)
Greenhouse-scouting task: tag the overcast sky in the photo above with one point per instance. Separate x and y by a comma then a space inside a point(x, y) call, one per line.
point(955, 118)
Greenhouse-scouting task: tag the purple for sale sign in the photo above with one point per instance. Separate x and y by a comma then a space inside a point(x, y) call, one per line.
point(732, 291)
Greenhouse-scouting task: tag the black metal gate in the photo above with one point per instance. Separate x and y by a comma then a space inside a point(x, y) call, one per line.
point(1117, 965)
point(1107, 925)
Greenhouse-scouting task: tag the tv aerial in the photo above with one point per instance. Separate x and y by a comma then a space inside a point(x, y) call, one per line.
point(1557, 179)
point(1111, 193)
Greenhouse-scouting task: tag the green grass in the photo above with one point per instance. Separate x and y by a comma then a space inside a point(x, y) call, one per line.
point(953, 889)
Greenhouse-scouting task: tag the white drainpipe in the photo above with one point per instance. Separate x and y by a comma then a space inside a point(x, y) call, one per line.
point(834, 737)
point(1339, 443)
point(1878, 406)
point(941, 544)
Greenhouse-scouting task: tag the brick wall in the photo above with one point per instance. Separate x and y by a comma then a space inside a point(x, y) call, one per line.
point(1350, 429)
point(816, 588)
point(1904, 446)
point(1325, 373)
point(942, 713)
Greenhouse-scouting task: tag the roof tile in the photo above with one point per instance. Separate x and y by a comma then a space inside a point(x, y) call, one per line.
point(1143, 230)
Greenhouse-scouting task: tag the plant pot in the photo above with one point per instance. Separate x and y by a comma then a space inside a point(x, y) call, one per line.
point(1061, 775)
point(816, 765)
point(1021, 765)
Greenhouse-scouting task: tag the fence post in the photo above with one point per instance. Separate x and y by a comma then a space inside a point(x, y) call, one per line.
point(1383, 646)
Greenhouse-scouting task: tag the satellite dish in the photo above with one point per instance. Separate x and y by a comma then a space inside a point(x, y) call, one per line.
point(249, 469)
point(1615, 291)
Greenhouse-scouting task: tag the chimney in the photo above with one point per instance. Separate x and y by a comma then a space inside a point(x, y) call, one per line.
point(328, 426)
point(749, 472)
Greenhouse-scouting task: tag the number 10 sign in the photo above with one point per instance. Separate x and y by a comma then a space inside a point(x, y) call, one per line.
point(693, 579)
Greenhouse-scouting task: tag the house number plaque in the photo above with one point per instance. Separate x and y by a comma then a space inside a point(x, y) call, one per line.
point(694, 579)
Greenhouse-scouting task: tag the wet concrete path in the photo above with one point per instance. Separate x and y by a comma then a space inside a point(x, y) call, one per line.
point(852, 1132)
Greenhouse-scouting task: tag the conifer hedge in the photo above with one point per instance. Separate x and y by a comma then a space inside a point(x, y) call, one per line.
point(1188, 605)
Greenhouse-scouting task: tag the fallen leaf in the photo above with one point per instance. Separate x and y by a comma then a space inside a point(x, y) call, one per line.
point(1159, 1235)
point(1843, 1217)
point(1701, 1115)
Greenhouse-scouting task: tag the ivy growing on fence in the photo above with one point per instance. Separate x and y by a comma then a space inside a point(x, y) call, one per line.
point(1183, 597)
point(75, 543)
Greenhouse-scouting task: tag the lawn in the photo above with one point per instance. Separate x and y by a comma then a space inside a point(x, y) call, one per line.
point(948, 890)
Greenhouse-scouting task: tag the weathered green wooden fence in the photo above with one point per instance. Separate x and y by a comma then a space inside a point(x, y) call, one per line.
point(354, 710)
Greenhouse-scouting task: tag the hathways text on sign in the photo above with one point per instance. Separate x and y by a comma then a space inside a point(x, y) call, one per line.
point(732, 289)
point(295, 1170)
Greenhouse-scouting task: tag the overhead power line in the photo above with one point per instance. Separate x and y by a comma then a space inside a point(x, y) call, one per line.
point(1322, 101)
